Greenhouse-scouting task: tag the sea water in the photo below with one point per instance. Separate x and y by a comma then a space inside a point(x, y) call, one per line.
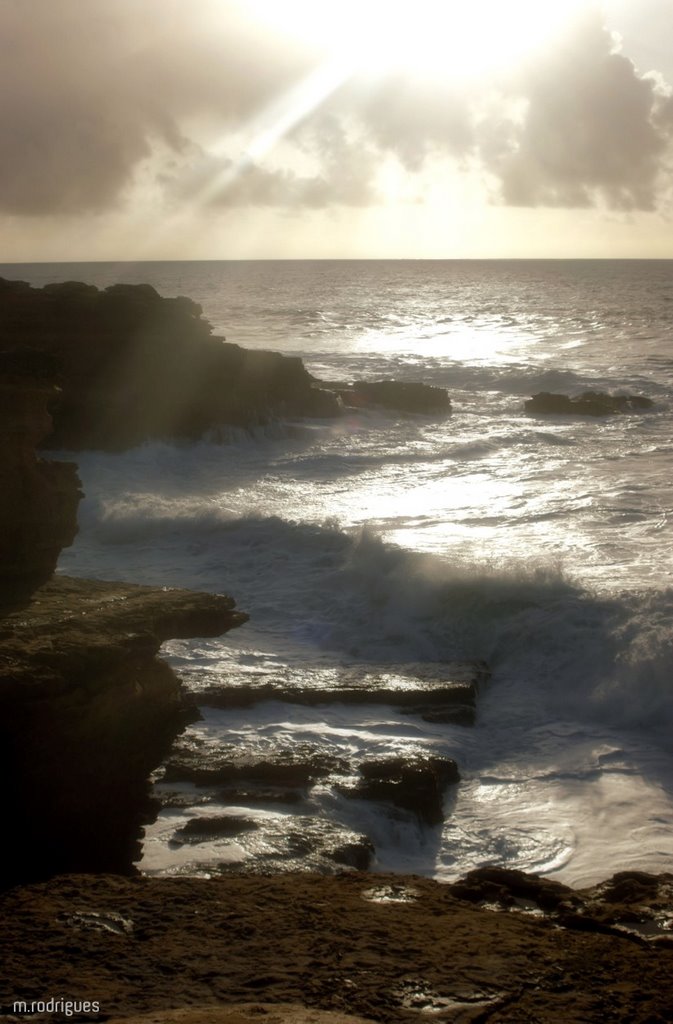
point(541, 544)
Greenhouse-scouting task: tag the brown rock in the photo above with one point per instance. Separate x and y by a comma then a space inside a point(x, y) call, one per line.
point(38, 511)
point(183, 948)
point(417, 785)
point(402, 396)
point(87, 711)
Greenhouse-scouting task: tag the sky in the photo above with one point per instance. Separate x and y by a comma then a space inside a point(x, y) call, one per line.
point(268, 129)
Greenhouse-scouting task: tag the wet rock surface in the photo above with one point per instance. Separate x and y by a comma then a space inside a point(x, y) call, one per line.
point(259, 843)
point(195, 949)
point(401, 396)
point(422, 688)
point(210, 770)
point(208, 765)
point(415, 784)
point(589, 403)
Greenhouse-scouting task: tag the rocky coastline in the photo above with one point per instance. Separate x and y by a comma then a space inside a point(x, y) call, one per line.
point(133, 366)
point(89, 710)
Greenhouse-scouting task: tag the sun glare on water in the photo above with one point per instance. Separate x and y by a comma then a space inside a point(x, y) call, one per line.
point(463, 40)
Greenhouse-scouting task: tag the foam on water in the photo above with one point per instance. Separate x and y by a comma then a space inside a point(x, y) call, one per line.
point(540, 545)
point(581, 685)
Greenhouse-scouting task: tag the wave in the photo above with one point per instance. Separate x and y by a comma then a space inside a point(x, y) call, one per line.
point(349, 596)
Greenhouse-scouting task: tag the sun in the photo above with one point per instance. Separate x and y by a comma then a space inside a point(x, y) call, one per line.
point(460, 40)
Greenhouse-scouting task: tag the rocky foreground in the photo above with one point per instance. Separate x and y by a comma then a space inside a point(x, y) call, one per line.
point(498, 946)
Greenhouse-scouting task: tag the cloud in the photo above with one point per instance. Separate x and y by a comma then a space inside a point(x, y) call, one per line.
point(592, 130)
point(88, 88)
point(92, 92)
point(221, 182)
point(412, 116)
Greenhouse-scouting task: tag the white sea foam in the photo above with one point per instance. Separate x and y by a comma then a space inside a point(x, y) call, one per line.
point(541, 545)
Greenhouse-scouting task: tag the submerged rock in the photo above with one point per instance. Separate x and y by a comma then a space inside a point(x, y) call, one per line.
point(590, 403)
point(204, 829)
point(279, 843)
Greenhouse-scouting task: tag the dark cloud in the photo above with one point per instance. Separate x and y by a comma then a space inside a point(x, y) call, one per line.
point(93, 90)
point(89, 86)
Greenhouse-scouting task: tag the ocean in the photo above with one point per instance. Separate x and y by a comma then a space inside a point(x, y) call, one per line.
point(540, 544)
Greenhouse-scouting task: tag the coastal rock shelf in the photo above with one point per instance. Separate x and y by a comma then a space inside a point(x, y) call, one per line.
point(135, 366)
point(87, 710)
point(276, 782)
point(497, 946)
point(436, 691)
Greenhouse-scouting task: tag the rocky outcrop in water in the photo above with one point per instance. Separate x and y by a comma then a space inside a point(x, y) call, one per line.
point(87, 710)
point(402, 396)
point(417, 784)
point(436, 691)
point(590, 403)
point(38, 508)
point(135, 366)
point(277, 784)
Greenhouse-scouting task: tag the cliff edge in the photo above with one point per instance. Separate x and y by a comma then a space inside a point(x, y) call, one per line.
point(87, 709)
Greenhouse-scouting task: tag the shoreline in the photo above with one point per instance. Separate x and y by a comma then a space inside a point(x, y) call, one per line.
point(500, 946)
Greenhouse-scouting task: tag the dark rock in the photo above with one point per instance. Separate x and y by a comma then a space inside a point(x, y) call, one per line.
point(356, 854)
point(87, 711)
point(448, 689)
point(203, 830)
point(629, 887)
point(137, 366)
point(279, 947)
point(401, 396)
point(504, 885)
point(416, 785)
point(203, 765)
point(250, 794)
point(590, 403)
point(284, 843)
point(459, 714)
point(38, 511)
